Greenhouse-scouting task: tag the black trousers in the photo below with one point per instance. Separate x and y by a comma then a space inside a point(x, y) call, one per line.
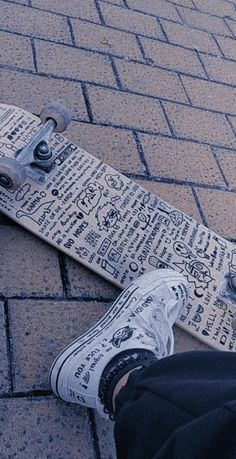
point(180, 407)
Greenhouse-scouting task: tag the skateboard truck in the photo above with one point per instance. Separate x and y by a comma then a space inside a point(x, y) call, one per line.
point(35, 158)
point(227, 289)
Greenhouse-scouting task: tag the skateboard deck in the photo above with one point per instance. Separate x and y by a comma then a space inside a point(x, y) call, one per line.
point(118, 229)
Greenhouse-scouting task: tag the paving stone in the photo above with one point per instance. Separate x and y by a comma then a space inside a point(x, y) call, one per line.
point(204, 21)
point(173, 57)
point(16, 50)
point(4, 375)
point(180, 160)
point(219, 209)
point(200, 125)
point(116, 2)
point(184, 35)
point(85, 283)
point(232, 120)
point(74, 63)
point(232, 25)
point(217, 7)
point(123, 109)
point(29, 21)
point(151, 81)
point(129, 20)
point(227, 161)
point(105, 437)
point(220, 69)
point(46, 428)
point(160, 8)
point(106, 39)
point(77, 8)
point(29, 266)
point(178, 196)
point(185, 342)
point(31, 92)
point(114, 146)
point(228, 46)
point(40, 330)
point(21, 2)
point(213, 96)
point(187, 3)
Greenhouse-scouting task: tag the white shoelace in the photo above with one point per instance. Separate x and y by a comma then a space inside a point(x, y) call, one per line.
point(159, 333)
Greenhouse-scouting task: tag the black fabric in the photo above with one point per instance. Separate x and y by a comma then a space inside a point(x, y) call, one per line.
point(180, 407)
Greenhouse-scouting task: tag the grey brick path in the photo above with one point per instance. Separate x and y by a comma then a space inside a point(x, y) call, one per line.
point(151, 88)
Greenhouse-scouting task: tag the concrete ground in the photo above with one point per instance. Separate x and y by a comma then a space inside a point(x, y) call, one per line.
point(151, 88)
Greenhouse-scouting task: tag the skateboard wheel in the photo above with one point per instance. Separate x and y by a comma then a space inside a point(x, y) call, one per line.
point(58, 113)
point(12, 174)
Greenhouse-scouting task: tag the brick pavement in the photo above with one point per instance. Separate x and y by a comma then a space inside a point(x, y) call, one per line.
point(151, 88)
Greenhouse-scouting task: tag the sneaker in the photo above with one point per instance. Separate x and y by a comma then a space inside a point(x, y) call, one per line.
point(135, 330)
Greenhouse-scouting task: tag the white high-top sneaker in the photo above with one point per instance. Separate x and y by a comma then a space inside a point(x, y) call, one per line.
point(136, 330)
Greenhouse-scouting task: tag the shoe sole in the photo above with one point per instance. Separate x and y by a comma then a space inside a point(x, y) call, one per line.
point(113, 313)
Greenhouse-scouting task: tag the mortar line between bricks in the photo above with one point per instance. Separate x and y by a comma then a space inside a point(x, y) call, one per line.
point(48, 40)
point(30, 3)
point(228, 26)
point(72, 299)
point(141, 153)
point(204, 220)
point(112, 27)
point(163, 30)
point(156, 134)
point(141, 48)
point(167, 120)
point(126, 4)
point(9, 346)
point(214, 154)
point(28, 395)
point(87, 102)
point(99, 11)
point(218, 46)
point(185, 90)
point(116, 73)
point(231, 125)
point(199, 11)
point(73, 40)
point(172, 181)
point(64, 275)
point(93, 431)
point(202, 64)
point(32, 42)
point(107, 54)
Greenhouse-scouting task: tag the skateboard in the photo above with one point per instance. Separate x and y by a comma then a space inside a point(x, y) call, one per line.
point(109, 223)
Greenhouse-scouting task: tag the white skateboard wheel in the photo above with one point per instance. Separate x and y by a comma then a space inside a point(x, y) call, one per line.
point(58, 113)
point(12, 174)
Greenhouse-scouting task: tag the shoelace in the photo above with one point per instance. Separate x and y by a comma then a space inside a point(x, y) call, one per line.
point(159, 330)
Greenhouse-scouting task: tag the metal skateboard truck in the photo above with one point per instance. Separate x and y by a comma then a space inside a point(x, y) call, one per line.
point(35, 158)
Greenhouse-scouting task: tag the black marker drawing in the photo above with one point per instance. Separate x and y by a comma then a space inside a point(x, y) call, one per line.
point(232, 263)
point(144, 219)
point(197, 272)
point(182, 250)
point(114, 181)
point(108, 267)
point(107, 217)
point(220, 241)
point(133, 266)
point(156, 263)
point(82, 252)
point(38, 214)
point(113, 255)
point(89, 198)
point(121, 335)
point(64, 154)
point(104, 247)
point(175, 216)
point(22, 192)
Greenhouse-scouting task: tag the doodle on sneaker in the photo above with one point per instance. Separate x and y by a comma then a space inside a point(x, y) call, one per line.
point(136, 330)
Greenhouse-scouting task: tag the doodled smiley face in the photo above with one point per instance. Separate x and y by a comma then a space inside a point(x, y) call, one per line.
point(107, 217)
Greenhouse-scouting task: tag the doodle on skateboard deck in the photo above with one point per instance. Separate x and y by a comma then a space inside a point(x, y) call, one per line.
point(109, 223)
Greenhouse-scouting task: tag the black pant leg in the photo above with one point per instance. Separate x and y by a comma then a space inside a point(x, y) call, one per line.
point(181, 398)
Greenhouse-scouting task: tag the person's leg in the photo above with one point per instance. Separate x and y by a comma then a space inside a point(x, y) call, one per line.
point(179, 407)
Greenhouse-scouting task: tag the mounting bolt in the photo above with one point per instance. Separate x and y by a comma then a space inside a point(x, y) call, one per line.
point(43, 152)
